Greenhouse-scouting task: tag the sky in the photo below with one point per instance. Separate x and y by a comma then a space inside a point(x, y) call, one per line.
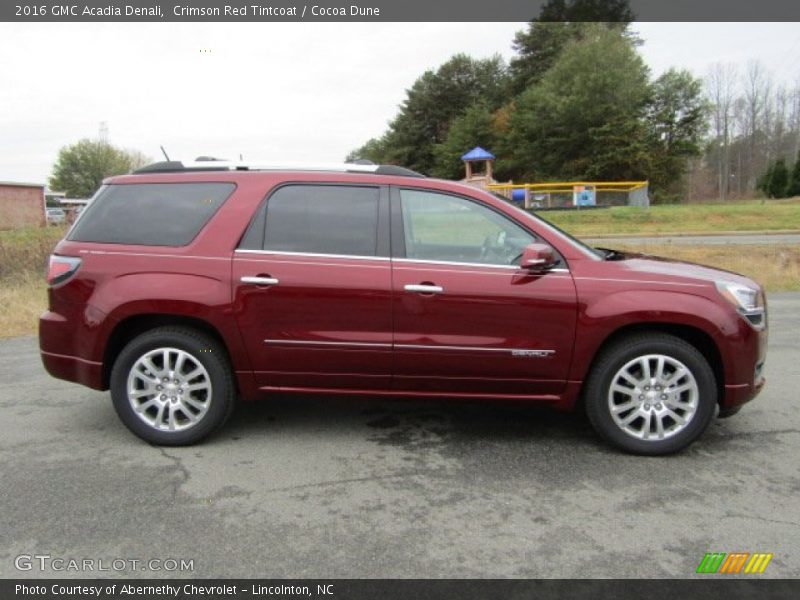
point(274, 91)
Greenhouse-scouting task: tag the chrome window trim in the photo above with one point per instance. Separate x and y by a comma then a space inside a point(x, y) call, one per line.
point(469, 264)
point(310, 254)
point(386, 258)
point(421, 261)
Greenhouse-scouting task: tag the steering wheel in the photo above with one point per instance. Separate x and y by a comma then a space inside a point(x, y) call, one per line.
point(494, 247)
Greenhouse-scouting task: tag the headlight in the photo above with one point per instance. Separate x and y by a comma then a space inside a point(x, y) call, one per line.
point(747, 300)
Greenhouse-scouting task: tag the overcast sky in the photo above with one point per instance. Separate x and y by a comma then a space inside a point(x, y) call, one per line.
point(272, 92)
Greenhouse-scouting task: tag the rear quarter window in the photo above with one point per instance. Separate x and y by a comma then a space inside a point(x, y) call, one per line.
point(150, 214)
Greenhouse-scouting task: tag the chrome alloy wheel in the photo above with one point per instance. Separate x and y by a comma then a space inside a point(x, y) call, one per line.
point(653, 397)
point(169, 389)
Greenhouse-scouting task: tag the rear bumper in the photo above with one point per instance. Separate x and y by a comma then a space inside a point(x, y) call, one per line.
point(73, 368)
point(60, 345)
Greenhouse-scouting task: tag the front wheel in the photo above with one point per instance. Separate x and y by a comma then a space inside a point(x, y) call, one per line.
point(172, 386)
point(651, 394)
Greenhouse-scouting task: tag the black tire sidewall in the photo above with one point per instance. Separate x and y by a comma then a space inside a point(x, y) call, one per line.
point(204, 350)
point(613, 360)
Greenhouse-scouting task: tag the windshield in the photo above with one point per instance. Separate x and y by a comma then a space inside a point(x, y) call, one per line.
point(593, 252)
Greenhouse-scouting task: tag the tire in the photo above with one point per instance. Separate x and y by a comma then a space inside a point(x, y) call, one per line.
point(656, 415)
point(179, 405)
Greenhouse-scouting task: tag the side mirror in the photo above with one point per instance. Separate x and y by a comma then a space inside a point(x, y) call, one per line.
point(538, 258)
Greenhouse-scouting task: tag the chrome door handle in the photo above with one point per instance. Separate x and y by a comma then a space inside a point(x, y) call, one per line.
point(260, 280)
point(425, 289)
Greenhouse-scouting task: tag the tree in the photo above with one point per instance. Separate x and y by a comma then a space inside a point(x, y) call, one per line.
point(721, 83)
point(677, 121)
point(476, 127)
point(80, 169)
point(793, 189)
point(763, 182)
point(376, 150)
point(757, 85)
point(559, 23)
point(779, 180)
point(435, 99)
point(585, 118)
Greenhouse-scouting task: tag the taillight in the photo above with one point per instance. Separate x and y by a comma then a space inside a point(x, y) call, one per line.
point(61, 268)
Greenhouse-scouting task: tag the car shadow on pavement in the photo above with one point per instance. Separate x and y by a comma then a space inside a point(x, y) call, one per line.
point(411, 421)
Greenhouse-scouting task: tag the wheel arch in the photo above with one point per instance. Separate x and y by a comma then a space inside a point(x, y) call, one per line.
point(694, 336)
point(127, 329)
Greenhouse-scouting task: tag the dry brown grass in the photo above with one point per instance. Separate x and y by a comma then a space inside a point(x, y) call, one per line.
point(775, 266)
point(23, 298)
point(26, 250)
point(23, 292)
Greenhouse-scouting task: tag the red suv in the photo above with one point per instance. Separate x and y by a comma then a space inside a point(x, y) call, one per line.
point(185, 286)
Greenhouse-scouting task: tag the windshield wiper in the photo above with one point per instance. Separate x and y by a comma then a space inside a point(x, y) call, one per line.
point(611, 254)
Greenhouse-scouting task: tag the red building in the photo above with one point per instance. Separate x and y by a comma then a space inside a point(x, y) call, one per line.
point(21, 204)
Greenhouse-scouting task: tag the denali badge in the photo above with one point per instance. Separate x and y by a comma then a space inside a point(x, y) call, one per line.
point(533, 353)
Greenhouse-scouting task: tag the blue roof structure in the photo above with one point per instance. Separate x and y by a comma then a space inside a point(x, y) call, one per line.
point(478, 153)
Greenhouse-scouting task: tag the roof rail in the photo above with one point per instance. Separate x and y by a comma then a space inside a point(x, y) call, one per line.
point(207, 164)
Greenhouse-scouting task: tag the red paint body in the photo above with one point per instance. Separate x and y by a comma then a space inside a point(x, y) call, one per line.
point(345, 325)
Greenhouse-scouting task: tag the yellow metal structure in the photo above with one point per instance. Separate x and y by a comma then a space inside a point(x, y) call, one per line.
point(559, 188)
point(567, 187)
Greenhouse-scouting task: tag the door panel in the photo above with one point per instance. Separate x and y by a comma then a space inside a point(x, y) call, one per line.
point(486, 327)
point(312, 288)
point(490, 330)
point(326, 323)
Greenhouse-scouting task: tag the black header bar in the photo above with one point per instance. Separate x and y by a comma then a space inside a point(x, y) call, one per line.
point(374, 10)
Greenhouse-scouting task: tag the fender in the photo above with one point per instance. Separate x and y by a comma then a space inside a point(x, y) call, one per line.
point(155, 293)
point(601, 316)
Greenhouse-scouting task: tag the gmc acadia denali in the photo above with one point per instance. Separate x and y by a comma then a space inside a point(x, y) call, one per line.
point(185, 286)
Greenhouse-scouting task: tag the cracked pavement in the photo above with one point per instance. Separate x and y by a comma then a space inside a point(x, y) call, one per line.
point(329, 487)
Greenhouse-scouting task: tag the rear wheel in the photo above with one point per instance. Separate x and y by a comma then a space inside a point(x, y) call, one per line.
point(651, 394)
point(172, 386)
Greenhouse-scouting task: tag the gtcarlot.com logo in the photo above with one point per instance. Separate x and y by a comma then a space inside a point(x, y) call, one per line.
point(734, 563)
point(46, 562)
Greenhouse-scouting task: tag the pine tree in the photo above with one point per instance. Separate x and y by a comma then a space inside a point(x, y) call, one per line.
point(586, 117)
point(763, 181)
point(779, 180)
point(793, 188)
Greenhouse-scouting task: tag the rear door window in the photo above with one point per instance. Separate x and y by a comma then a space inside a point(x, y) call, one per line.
point(318, 219)
point(150, 214)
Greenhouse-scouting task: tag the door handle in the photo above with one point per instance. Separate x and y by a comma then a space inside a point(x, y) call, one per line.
point(424, 288)
point(260, 280)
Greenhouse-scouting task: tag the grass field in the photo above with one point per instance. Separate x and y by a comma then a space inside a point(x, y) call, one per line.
point(772, 215)
point(23, 298)
point(26, 250)
point(23, 293)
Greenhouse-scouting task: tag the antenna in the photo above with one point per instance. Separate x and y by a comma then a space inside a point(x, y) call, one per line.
point(164, 152)
point(103, 132)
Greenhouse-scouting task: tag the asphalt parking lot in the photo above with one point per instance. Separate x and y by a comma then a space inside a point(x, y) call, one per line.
point(333, 487)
